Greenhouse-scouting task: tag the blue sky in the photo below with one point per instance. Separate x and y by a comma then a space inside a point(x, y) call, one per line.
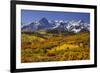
point(28, 16)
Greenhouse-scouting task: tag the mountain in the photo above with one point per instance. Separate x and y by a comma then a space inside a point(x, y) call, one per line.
point(60, 25)
point(30, 27)
point(77, 26)
point(71, 26)
point(44, 24)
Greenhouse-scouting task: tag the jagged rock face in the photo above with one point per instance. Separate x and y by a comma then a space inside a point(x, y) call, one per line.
point(69, 26)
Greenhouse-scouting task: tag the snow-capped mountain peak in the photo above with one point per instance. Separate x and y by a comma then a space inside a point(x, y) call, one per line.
point(68, 26)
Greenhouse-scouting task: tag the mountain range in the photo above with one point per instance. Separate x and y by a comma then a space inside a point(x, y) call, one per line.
point(61, 25)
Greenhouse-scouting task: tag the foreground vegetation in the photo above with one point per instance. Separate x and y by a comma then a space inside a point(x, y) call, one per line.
point(43, 47)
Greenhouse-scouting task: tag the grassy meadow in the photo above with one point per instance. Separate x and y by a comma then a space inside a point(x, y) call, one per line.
point(42, 46)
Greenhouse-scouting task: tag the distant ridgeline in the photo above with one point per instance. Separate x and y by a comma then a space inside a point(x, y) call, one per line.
point(55, 26)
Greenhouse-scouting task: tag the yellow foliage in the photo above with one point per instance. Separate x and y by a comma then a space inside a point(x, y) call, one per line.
point(65, 46)
point(54, 48)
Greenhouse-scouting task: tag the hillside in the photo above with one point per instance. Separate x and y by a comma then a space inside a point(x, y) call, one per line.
point(41, 46)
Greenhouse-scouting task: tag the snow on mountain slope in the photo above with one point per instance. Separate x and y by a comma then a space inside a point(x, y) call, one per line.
point(69, 26)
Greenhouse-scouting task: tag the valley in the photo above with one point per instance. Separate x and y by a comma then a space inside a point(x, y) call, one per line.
point(46, 46)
